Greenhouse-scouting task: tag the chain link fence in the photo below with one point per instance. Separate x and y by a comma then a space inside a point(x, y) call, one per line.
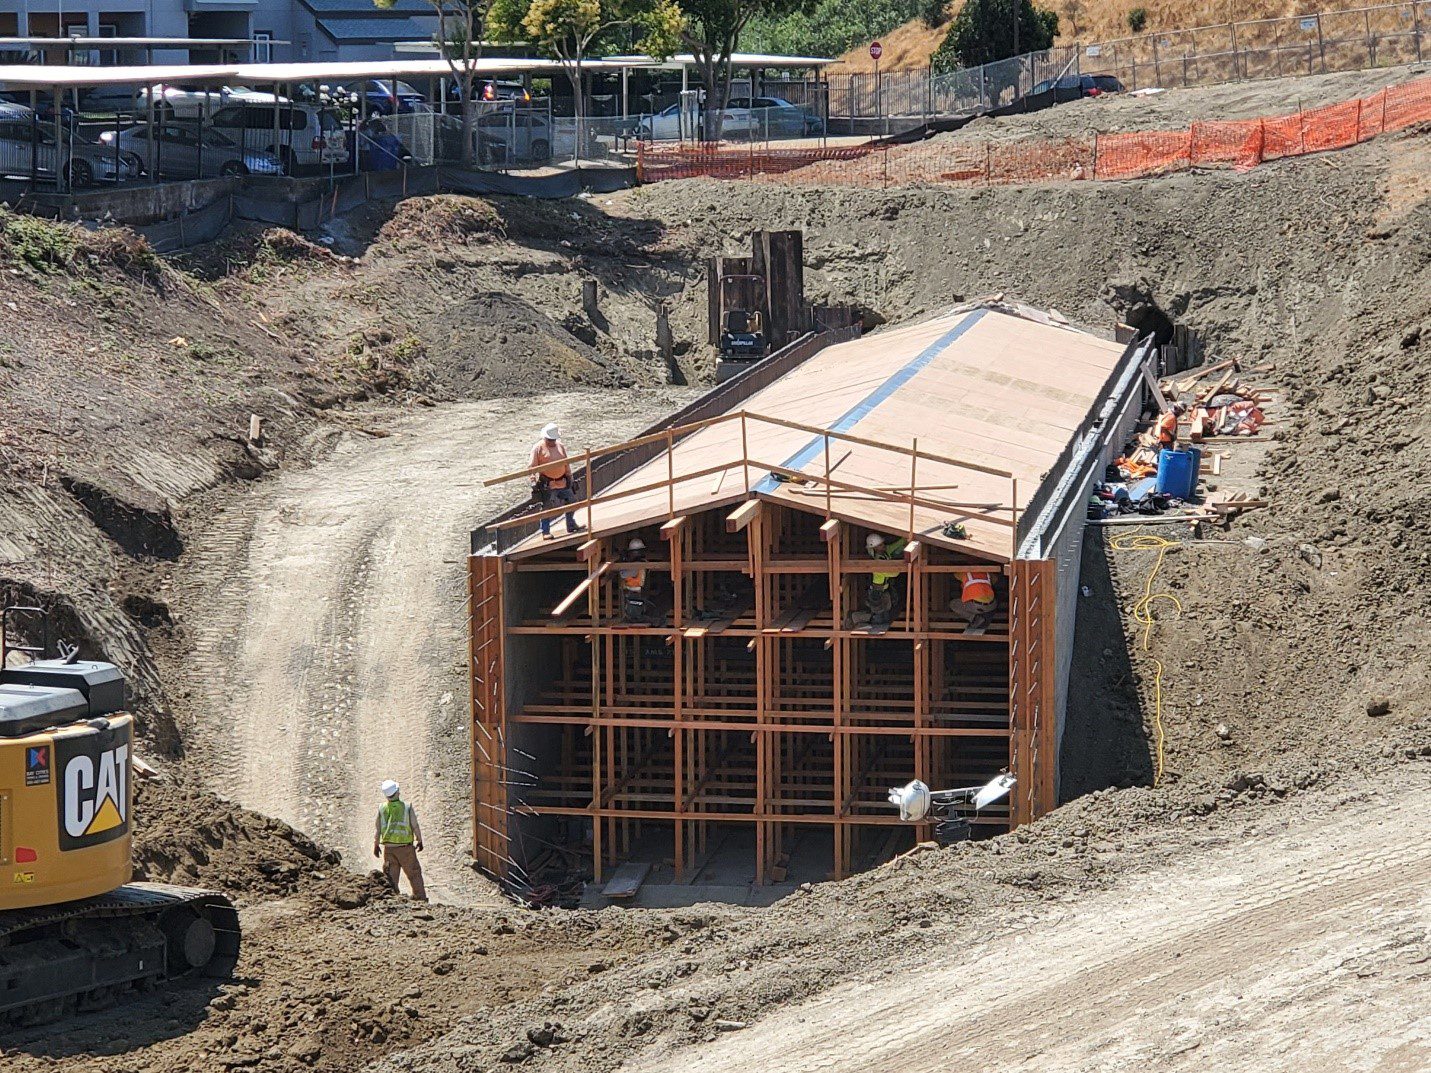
point(1358, 39)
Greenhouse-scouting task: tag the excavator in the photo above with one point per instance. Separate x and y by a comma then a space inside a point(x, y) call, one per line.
point(75, 933)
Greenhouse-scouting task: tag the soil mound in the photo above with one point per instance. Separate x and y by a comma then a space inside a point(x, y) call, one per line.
point(443, 219)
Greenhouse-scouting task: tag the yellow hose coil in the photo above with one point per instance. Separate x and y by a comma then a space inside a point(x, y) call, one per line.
point(1143, 615)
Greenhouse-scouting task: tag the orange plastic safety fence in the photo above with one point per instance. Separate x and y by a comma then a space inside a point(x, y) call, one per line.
point(1241, 143)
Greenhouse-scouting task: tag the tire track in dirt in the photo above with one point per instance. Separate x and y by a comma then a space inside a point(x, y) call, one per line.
point(1307, 954)
point(325, 615)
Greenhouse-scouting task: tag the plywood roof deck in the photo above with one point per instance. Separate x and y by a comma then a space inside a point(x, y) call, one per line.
point(998, 388)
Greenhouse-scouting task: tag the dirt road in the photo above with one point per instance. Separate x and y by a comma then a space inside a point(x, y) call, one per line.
point(1305, 950)
point(325, 614)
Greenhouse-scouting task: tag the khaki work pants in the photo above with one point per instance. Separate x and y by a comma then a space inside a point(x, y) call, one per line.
point(404, 859)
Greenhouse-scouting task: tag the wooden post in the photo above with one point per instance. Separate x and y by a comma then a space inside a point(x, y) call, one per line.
point(828, 494)
point(670, 473)
point(745, 450)
point(1014, 532)
point(913, 487)
point(255, 423)
point(588, 299)
point(1322, 45)
point(586, 479)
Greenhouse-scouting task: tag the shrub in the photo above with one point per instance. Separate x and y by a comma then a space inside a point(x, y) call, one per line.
point(1137, 19)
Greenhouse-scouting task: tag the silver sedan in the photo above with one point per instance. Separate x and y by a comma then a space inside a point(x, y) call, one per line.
point(188, 151)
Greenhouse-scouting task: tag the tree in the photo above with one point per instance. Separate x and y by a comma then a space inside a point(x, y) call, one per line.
point(460, 27)
point(711, 29)
point(569, 30)
point(986, 30)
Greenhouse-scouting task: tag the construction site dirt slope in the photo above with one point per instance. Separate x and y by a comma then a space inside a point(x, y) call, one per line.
point(128, 385)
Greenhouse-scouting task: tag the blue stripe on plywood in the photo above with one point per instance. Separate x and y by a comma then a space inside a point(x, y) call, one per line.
point(866, 406)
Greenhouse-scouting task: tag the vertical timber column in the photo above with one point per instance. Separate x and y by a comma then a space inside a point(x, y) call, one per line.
point(764, 741)
point(488, 721)
point(1033, 732)
point(674, 533)
point(919, 623)
point(1049, 743)
point(599, 682)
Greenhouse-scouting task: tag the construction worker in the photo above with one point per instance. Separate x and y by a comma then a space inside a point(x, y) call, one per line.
point(632, 574)
point(397, 839)
point(1167, 429)
point(976, 601)
point(879, 599)
point(553, 480)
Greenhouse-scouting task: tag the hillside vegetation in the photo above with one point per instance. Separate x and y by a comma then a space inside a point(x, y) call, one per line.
point(910, 44)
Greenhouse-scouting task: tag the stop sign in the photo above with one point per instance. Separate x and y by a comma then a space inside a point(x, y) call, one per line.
point(876, 50)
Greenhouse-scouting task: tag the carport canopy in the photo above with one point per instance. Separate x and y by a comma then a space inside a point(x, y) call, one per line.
point(30, 76)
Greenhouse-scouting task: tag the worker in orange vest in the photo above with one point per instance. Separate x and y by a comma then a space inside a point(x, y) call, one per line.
point(976, 601)
point(1167, 430)
point(635, 604)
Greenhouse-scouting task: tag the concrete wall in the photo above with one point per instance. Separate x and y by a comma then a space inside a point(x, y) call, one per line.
point(1057, 533)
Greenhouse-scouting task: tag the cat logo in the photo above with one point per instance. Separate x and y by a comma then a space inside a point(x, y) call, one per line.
point(24, 877)
point(93, 790)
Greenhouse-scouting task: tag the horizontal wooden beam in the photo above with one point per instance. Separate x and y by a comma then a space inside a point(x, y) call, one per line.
point(739, 518)
point(671, 528)
point(912, 550)
point(588, 550)
point(830, 530)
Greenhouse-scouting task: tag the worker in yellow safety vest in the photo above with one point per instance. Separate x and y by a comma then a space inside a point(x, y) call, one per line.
point(397, 839)
point(879, 599)
point(976, 601)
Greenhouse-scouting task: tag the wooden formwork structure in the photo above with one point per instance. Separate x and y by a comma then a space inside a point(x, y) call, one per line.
point(754, 702)
point(773, 711)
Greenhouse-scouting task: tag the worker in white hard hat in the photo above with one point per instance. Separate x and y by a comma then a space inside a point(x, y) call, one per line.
point(635, 606)
point(552, 482)
point(879, 598)
point(397, 839)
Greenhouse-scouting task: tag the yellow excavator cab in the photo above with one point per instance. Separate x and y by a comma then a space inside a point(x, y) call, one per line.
point(75, 933)
point(65, 804)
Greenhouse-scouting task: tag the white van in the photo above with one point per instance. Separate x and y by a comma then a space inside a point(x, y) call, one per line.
point(299, 135)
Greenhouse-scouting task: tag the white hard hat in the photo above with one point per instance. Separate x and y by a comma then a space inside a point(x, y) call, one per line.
point(551, 432)
point(637, 544)
point(874, 540)
point(390, 788)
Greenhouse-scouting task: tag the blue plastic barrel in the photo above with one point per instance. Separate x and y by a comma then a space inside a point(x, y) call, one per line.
point(1177, 472)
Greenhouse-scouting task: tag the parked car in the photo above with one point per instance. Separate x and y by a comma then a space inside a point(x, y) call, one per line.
point(778, 117)
point(188, 151)
point(187, 100)
point(27, 147)
point(299, 135)
point(379, 94)
point(736, 122)
point(1072, 87)
point(513, 137)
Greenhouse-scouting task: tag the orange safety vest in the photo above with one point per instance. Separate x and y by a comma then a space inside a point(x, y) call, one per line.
point(978, 588)
point(1168, 428)
point(633, 578)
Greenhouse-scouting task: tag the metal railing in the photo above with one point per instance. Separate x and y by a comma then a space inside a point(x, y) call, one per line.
point(922, 93)
point(1357, 39)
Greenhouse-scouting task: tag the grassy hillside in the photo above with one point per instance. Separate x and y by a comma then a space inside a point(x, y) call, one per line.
point(911, 44)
